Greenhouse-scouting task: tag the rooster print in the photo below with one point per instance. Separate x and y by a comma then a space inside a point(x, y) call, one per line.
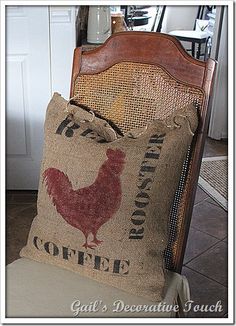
point(88, 208)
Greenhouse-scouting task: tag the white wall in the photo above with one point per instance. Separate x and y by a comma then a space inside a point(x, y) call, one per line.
point(218, 123)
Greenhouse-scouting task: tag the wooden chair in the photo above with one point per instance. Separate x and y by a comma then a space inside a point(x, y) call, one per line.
point(133, 78)
point(138, 76)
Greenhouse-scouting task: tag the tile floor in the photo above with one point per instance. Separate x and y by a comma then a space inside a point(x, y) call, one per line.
point(205, 262)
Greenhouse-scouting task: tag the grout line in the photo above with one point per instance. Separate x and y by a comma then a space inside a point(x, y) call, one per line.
point(206, 276)
point(213, 236)
point(21, 203)
point(18, 210)
point(201, 201)
point(214, 203)
point(206, 199)
point(204, 251)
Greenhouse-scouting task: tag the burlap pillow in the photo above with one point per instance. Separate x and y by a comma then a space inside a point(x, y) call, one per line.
point(104, 200)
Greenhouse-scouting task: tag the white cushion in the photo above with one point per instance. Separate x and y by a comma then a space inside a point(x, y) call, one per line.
point(39, 290)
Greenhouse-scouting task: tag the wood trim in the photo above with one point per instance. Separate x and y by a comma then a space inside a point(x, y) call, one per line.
point(209, 76)
point(144, 47)
point(197, 153)
point(207, 87)
point(75, 68)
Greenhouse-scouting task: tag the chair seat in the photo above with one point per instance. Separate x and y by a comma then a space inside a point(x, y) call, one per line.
point(39, 290)
point(189, 34)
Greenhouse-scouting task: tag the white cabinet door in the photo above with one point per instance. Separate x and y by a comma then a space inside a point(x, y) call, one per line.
point(39, 50)
point(28, 91)
point(62, 41)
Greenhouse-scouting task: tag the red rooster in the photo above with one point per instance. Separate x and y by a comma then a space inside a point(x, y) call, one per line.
point(88, 208)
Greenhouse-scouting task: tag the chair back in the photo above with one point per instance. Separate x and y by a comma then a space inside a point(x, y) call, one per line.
point(135, 77)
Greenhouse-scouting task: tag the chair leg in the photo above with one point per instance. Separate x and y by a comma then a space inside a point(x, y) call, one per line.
point(193, 49)
point(207, 48)
point(198, 50)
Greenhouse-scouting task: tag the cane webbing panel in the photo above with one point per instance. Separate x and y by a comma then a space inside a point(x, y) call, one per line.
point(131, 94)
point(176, 217)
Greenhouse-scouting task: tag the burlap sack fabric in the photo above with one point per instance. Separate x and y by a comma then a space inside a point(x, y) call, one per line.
point(104, 200)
